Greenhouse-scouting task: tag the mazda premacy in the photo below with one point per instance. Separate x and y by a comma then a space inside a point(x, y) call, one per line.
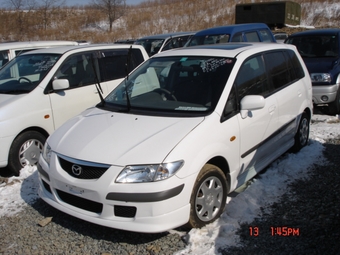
point(182, 131)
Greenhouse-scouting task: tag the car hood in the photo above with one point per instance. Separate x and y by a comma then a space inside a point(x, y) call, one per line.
point(320, 65)
point(120, 139)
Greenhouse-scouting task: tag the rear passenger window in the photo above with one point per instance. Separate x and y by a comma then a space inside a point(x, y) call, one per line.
point(113, 64)
point(237, 38)
point(266, 37)
point(295, 67)
point(252, 78)
point(176, 42)
point(252, 36)
point(3, 57)
point(278, 69)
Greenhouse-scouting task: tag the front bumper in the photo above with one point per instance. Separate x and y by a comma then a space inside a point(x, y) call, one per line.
point(140, 207)
point(319, 92)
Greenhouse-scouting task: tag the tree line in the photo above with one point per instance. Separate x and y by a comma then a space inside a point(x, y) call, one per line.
point(52, 20)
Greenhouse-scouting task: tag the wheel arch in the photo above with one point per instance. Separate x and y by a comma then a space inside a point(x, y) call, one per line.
point(38, 129)
point(222, 163)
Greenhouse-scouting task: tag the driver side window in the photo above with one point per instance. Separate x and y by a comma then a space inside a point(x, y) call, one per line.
point(78, 70)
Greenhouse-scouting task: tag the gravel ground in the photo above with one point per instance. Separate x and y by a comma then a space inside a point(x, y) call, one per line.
point(309, 211)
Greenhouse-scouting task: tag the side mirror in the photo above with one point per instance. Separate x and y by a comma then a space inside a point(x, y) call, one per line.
point(251, 103)
point(61, 84)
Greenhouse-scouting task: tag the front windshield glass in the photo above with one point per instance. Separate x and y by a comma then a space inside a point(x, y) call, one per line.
point(208, 39)
point(152, 46)
point(177, 85)
point(316, 45)
point(24, 73)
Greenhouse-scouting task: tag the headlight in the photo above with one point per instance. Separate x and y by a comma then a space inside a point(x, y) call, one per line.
point(46, 154)
point(320, 77)
point(148, 173)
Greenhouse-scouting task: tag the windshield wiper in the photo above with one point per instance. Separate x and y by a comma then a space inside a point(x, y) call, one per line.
point(97, 84)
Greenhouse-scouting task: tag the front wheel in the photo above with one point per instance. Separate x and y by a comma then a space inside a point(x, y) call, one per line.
point(302, 134)
point(25, 150)
point(208, 198)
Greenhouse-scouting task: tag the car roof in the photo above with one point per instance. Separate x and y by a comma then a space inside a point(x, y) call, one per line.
point(164, 36)
point(325, 31)
point(231, 29)
point(32, 44)
point(230, 50)
point(81, 48)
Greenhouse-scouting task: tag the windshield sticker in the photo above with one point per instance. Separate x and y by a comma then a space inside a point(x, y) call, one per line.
point(183, 59)
point(191, 108)
point(212, 64)
point(43, 65)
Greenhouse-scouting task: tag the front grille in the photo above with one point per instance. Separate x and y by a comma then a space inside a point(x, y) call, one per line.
point(79, 202)
point(85, 170)
point(125, 211)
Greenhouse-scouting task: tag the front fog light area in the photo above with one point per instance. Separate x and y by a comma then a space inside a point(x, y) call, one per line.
point(148, 173)
point(46, 154)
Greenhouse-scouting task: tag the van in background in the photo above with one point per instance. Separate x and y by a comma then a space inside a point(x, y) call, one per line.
point(9, 50)
point(156, 43)
point(252, 32)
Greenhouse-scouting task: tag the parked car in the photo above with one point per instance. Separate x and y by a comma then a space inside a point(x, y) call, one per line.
point(157, 43)
point(250, 32)
point(9, 50)
point(125, 41)
point(280, 37)
point(41, 89)
point(186, 128)
point(320, 50)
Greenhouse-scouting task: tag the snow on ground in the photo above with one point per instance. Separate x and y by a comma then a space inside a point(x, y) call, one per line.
point(243, 206)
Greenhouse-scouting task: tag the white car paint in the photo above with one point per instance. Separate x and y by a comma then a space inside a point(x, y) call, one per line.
point(44, 111)
point(240, 142)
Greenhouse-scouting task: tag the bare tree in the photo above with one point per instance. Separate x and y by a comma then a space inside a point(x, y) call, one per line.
point(113, 9)
point(46, 7)
point(21, 7)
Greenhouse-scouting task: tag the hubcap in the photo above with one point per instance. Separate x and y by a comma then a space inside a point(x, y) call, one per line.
point(304, 131)
point(29, 152)
point(209, 199)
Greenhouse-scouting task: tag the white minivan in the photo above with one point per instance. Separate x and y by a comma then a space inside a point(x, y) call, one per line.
point(41, 89)
point(182, 131)
point(9, 50)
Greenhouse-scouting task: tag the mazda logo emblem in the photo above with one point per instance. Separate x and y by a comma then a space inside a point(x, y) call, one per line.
point(76, 170)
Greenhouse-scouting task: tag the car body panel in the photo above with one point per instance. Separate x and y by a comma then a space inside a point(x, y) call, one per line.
point(241, 142)
point(44, 109)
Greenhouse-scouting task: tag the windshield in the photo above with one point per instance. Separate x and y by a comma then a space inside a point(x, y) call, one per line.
point(152, 46)
point(208, 39)
point(316, 45)
point(24, 73)
point(177, 85)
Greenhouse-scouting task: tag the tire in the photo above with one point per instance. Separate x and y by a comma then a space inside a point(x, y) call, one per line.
point(302, 135)
point(334, 107)
point(208, 198)
point(25, 150)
